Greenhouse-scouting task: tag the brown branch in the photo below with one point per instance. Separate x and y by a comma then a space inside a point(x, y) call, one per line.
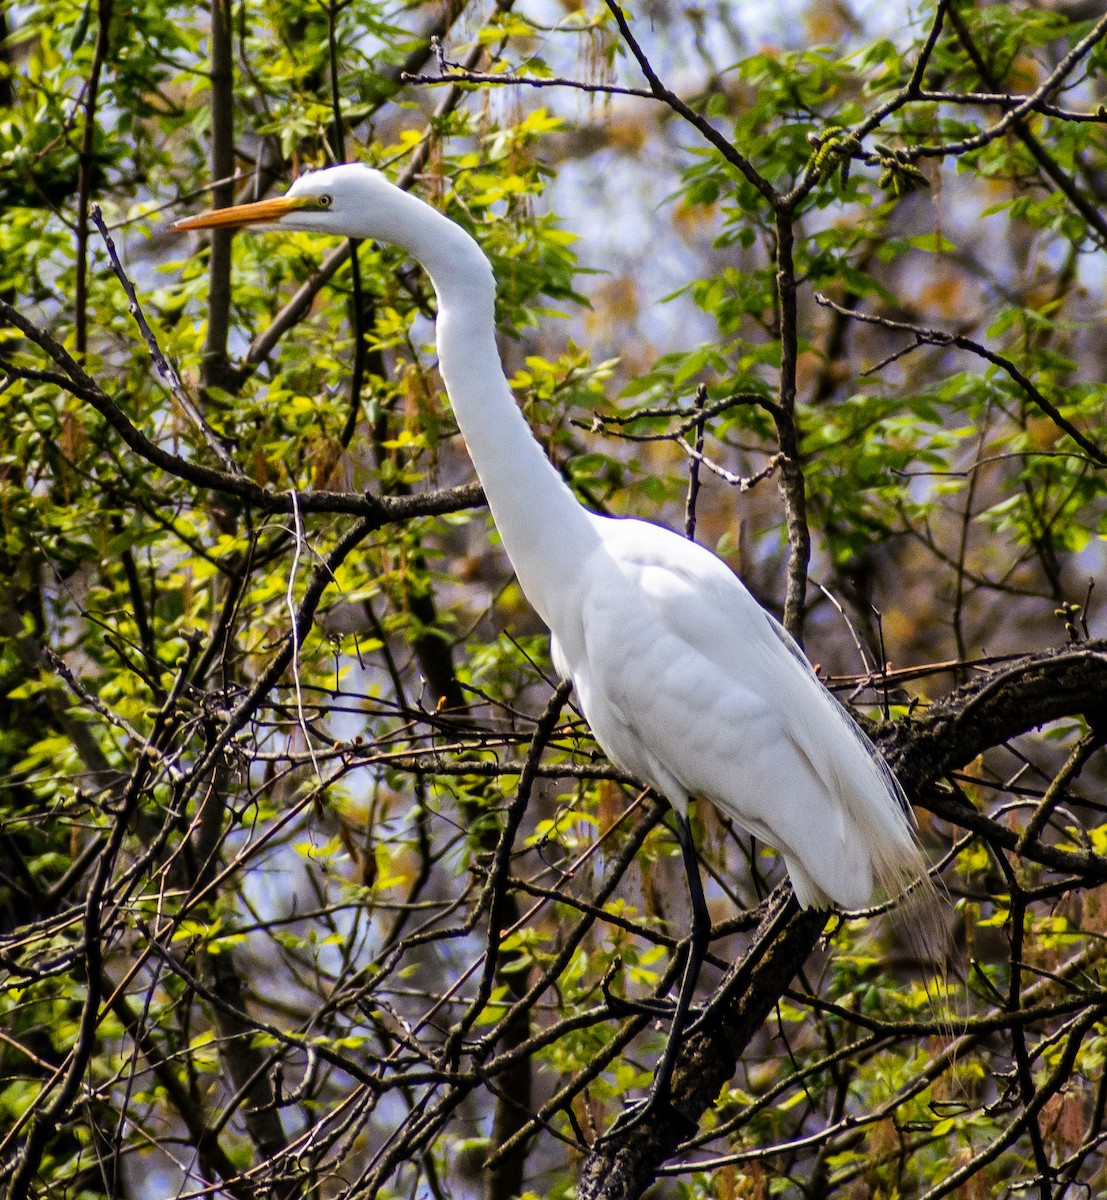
point(495, 890)
point(161, 364)
point(694, 465)
point(454, 72)
point(710, 134)
point(939, 337)
point(1013, 115)
point(990, 710)
point(912, 90)
point(77, 382)
point(1049, 166)
point(791, 482)
point(216, 369)
point(85, 161)
point(1097, 116)
point(982, 714)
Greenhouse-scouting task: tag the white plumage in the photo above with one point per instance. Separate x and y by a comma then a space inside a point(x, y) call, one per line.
point(688, 683)
point(685, 680)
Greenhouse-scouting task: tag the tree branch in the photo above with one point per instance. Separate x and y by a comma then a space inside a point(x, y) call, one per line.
point(78, 383)
point(939, 337)
point(986, 712)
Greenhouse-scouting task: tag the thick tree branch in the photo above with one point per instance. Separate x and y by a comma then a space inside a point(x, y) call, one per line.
point(987, 712)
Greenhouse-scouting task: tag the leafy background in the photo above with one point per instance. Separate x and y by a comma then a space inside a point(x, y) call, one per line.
point(270, 698)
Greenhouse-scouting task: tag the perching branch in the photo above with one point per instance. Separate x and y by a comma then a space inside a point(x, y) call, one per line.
point(922, 749)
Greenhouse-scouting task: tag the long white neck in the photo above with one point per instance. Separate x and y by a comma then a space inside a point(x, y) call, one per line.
point(545, 531)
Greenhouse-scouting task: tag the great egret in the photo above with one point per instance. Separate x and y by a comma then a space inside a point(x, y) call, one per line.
point(685, 680)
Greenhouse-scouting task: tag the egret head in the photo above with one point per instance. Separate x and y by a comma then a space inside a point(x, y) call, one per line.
point(350, 200)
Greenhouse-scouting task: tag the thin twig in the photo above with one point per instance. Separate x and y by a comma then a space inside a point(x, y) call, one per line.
point(1097, 115)
point(495, 889)
point(744, 483)
point(694, 466)
point(939, 337)
point(452, 72)
point(858, 645)
point(161, 364)
point(599, 420)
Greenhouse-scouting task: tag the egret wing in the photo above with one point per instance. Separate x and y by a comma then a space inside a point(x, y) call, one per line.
point(690, 684)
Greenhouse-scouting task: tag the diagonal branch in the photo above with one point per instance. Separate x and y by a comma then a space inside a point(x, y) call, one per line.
point(73, 379)
point(698, 122)
point(1014, 115)
point(940, 337)
point(161, 363)
point(1016, 698)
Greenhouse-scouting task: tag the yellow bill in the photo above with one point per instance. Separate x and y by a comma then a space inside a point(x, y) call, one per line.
point(263, 212)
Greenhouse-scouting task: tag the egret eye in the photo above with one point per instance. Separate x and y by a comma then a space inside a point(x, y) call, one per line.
point(323, 201)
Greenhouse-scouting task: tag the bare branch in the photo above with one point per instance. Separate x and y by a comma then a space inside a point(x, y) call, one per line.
point(938, 337)
point(164, 368)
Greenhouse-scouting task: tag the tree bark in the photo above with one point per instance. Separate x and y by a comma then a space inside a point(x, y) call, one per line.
point(1020, 696)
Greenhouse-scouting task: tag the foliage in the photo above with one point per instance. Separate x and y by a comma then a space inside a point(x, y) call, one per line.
point(306, 884)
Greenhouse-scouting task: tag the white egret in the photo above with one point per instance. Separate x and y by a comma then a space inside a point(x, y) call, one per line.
point(686, 681)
